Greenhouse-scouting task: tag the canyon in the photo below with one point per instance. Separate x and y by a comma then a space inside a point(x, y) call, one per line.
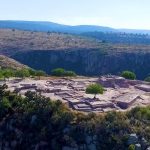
point(85, 56)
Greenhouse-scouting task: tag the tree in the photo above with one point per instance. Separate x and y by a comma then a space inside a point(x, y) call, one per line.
point(32, 72)
point(2, 90)
point(69, 73)
point(1, 75)
point(95, 89)
point(58, 72)
point(40, 73)
point(7, 73)
point(131, 147)
point(147, 79)
point(22, 73)
point(128, 75)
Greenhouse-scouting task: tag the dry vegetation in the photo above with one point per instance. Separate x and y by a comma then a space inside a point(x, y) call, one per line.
point(6, 62)
point(139, 48)
point(26, 40)
point(13, 41)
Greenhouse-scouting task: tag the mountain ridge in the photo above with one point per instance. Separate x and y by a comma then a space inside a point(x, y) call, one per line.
point(45, 26)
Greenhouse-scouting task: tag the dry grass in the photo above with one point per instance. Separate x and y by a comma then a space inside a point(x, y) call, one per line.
point(14, 41)
point(6, 62)
point(26, 40)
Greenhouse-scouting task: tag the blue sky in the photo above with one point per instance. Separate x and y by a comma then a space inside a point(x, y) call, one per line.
point(133, 14)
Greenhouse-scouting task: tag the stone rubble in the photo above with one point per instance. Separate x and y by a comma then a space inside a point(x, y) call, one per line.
point(120, 94)
point(139, 143)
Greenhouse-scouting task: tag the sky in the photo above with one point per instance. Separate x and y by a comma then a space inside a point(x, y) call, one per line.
point(133, 14)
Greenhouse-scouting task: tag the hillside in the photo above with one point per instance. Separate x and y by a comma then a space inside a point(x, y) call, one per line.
point(11, 41)
point(85, 56)
point(121, 37)
point(6, 62)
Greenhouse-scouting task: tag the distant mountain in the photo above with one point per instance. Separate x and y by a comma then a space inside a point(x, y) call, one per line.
point(52, 27)
point(135, 31)
point(32, 25)
point(55, 27)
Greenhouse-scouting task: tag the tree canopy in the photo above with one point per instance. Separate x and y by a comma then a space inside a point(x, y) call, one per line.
point(147, 79)
point(95, 89)
point(128, 75)
point(62, 72)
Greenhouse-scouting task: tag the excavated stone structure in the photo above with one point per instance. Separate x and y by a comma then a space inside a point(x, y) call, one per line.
point(120, 94)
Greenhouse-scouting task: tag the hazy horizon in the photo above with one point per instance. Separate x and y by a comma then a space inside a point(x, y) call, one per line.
point(118, 14)
point(77, 24)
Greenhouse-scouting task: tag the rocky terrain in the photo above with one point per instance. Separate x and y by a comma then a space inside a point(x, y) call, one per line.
point(6, 62)
point(120, 94)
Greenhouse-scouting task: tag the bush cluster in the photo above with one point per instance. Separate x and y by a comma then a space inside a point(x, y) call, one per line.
point(60, 72)
point(7, 73)
point(147, 79)
point(128, 75)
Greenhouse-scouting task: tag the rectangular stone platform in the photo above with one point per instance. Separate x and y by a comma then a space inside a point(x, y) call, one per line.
point(126, 100)
point(143, 87)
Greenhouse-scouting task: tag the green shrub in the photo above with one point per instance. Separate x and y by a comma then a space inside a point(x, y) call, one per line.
point(140, 113)
point(7, 73)
point(60, 72)
point(69, 73)
point(26, 72)
point(32, 72)
point(128, 75)
point(1, 75)
point(131, 147)
point(147, 79)
point(22, 73)
point(40, 73)
point(4, 106)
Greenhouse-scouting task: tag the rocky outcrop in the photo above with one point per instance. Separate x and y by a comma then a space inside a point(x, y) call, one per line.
point(140, 143)
point(133, 139)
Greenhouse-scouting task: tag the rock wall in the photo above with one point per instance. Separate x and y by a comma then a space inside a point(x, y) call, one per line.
point(87, 62)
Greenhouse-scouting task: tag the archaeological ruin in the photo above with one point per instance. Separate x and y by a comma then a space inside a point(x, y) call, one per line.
point(120, 94)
